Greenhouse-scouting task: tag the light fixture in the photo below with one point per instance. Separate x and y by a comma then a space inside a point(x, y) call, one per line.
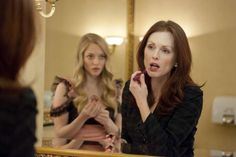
point(40, 8)
point(113, 41)
point(140, 38)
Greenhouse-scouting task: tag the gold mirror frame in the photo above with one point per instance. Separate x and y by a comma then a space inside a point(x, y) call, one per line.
point(130, 38)
point(55, 152)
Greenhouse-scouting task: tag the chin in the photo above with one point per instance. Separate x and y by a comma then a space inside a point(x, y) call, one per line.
point(96, 74)
point(153, 74)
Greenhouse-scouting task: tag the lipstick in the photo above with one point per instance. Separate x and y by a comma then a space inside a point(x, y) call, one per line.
point(137, 76)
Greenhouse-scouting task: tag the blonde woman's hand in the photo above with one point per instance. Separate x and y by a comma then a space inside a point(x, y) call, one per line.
point(108, 143)
point(103, 117)
point(92, 108)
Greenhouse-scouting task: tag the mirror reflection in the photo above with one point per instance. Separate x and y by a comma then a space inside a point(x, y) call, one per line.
point(211, 30)
point(85, 108)
point(90, 88)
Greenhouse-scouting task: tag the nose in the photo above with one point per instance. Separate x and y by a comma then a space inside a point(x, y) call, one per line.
point(156, 55)
point(96, 60)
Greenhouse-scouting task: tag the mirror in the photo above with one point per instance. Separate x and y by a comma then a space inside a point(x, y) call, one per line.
point(106, 18)
point(211, 29)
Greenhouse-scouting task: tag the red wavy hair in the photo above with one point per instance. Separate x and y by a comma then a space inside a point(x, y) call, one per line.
point(172, 92)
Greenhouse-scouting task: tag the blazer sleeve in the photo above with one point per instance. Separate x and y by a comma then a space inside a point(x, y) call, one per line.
point(24, 138)
point(126, 96)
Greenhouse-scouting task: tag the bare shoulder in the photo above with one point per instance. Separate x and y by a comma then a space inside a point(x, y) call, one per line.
point(60, 89)
point(59, 95)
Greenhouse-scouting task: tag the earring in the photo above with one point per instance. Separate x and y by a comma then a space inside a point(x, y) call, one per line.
point(176, 65)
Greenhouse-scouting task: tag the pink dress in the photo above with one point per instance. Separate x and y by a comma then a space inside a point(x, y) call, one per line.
point(92, 133)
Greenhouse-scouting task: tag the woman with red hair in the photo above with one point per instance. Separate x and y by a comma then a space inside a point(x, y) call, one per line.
point(161, 104)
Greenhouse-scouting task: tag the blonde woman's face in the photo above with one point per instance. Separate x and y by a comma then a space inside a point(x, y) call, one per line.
point(94, 60)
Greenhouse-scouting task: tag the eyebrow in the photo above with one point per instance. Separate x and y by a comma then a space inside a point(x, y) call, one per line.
point(93, 52)
point(166, 46)
point(89, 53)
point(170, 47)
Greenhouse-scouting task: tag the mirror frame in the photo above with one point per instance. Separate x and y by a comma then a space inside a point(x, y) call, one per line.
point(130, 38)
point(58, 152)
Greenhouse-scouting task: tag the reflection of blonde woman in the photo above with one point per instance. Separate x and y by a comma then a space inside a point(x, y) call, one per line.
point(85, 110)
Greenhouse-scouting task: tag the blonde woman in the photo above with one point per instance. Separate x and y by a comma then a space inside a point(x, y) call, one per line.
point(85, 109)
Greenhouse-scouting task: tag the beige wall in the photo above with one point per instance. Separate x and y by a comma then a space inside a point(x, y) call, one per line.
point(209, 24)
point(75, 18)
point(214, 62)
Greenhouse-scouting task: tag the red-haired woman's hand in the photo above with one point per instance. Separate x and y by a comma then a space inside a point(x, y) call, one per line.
point(137, 76)
point(138, 86)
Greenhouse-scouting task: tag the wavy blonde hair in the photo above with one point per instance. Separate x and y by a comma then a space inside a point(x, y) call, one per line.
point(106, 77)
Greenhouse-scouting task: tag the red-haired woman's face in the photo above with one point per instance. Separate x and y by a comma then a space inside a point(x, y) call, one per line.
point(159, 55)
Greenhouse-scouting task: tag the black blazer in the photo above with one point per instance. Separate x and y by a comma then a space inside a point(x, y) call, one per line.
point(17, 122)
point(171, 135)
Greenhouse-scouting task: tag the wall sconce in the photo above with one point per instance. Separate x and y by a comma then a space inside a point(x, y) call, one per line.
point(40, 8)
point(113, 41)
point(140, 38)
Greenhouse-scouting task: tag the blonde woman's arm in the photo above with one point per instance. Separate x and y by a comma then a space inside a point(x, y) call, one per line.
point(64, 144)
point(62, 128)
point(117, 140)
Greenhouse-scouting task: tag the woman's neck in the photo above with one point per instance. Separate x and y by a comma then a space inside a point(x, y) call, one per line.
point(91, 86)
point(91, 80)
point(157, 84)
